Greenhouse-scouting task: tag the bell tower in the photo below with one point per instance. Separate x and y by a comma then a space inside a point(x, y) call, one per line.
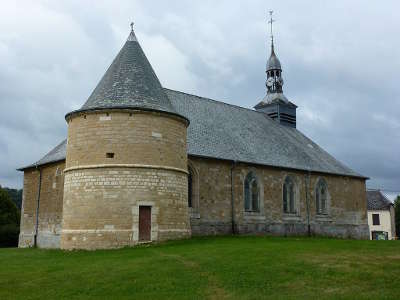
point(275, 104)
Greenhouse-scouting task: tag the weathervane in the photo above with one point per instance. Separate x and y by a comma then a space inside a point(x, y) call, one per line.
point(270, 22)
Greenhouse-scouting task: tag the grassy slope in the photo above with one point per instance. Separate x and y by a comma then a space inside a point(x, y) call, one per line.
point(216, 268)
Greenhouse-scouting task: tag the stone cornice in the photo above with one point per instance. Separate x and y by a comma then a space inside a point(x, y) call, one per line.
point(141, 166)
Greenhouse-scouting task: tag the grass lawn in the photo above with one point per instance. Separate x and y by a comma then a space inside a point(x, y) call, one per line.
point(211, 268)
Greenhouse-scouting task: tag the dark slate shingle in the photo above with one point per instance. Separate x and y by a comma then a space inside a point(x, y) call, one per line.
point(377, 201)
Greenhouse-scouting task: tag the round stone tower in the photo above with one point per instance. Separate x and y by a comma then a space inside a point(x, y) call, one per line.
point(126, 164)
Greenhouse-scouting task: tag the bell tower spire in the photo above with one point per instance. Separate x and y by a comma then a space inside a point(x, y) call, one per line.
point(275, 103)
point(272, 35)
point(274, 70)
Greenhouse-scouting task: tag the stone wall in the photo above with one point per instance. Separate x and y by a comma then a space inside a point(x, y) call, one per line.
point(211, 212)
point(134, 137)
point(346, 216)
point(50, 206)
point(101, 206)
point(102, 202)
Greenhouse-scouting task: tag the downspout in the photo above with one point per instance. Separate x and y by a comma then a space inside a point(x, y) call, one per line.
point(233, 200)
point(307, 202)
point(37, 207)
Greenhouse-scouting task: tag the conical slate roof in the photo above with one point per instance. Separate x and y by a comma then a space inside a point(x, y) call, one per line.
point(129, 82)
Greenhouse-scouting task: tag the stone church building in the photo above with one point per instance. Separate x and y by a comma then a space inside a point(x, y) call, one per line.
point(145, 163)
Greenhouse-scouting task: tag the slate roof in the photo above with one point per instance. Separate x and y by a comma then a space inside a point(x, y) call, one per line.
point(129, 82)
point(223, 131)
point(56, 154)
point(376, 200)
point(230, 132)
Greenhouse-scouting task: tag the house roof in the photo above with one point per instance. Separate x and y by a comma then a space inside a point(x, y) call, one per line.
point(129, 82)
point(376, 200)
point(223, 131)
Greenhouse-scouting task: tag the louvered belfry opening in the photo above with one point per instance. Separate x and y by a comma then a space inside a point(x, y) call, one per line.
point(283, 113)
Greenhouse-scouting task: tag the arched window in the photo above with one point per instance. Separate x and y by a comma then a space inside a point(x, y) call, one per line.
point(251, 193)
point(289, 196)
point(190, 188)
point(321, 197)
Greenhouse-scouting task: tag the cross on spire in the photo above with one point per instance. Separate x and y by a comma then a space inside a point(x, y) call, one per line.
point(132, 37)
point(270, 22)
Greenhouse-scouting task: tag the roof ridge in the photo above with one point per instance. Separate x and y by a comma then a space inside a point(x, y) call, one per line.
point(214, 100)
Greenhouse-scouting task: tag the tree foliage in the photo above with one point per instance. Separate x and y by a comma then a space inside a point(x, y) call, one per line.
point(9, 220)
point(397, 214)
point(15, 195)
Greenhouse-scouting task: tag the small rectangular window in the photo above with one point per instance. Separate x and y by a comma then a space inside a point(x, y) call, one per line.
point(375, 219)
point(110, 155)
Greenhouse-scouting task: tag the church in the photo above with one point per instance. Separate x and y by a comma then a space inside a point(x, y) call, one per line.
point(143, 163)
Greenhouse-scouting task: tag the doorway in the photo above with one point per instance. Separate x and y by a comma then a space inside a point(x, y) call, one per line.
point(379, 235)
point(144, 223)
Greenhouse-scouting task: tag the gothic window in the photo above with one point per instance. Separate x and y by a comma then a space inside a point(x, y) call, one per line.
point(58, 171)
point(193, 191)
point(321, 197)
point(289, 196)
point(251, 193)
point(190, 188)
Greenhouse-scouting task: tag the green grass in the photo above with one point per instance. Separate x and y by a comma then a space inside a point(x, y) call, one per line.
point(208, 268)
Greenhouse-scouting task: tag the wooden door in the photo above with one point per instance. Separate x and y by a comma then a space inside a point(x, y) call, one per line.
point(144, 223)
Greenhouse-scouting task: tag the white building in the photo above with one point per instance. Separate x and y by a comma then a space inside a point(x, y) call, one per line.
point(380, 216)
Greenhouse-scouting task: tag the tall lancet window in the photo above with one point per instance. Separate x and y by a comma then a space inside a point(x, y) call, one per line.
point(289, 196)
point(251, 193)
point(321, 197)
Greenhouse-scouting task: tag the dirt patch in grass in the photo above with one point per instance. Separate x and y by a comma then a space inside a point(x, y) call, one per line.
point(214, 289)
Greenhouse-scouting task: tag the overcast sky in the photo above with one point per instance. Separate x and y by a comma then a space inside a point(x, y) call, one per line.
point(340, 62)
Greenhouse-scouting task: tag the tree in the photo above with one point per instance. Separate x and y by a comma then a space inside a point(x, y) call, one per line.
point(9, 221)
point(15, 195)
point(397, 214)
